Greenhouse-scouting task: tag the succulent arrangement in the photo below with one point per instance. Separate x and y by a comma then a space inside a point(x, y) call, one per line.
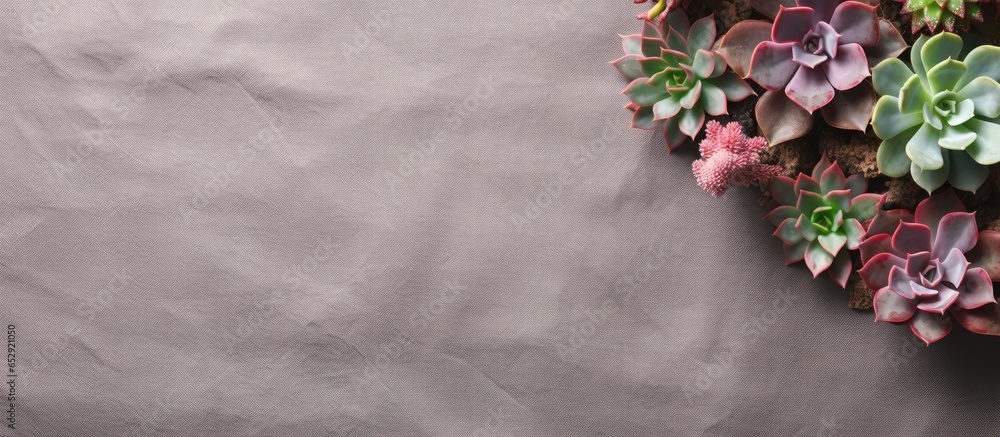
point(897, 233)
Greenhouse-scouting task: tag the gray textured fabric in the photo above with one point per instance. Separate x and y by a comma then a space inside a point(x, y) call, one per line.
point(333, 218)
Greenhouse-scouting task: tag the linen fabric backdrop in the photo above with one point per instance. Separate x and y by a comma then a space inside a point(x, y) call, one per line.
point(240, 218)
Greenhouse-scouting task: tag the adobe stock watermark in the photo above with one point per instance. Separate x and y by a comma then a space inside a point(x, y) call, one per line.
point(420, 320)
point(121, 106)
point(413, 158)
point(626, 288)
point(268, 138)
point(171, 397)
point(381, 19)
point(294, 278)
point(496, 423)
point(721, 363)
point(87, 310)
point(580, 162)
point(908, 347)
point(829, 426)
point(224, 8)
point(561, 12)
point(42, 16)
point(117, 108)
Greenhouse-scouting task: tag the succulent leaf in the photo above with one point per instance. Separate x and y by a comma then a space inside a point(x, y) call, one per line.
point(857, 23)
point(702, 34)
point(787, 233)
point(817, 258)
point(945, 75)
point(986, 254)
point(771, 8)
point(931, 180)
point(643, 118)
point(851, 109)
point(740, 42)
point(628, 66)
point(890, 76)
point(780, 119)
point(864, 206)
point(795, 252)
point(714, 99)
point(983, 320)
point(983, 61)
point(890, 44)
point(973, 176)
point(983, 93)
point(841, 269)
point(773, 65)
point(891, 307)
point(858, 186)
point(985, 150)
point(642, 93)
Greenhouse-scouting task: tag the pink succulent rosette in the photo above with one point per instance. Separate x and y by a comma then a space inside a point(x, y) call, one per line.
point(932, 264)
point(815, 56)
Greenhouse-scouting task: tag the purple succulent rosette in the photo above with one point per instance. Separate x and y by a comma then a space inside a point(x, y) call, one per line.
point(932, 265)
point(815, 56)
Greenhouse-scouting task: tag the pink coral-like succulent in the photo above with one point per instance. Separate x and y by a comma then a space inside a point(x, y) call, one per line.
point(815, 56)
point(930, 264)
point(729, 158)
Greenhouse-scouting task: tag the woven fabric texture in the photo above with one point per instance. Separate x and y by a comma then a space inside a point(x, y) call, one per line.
point(324, 218)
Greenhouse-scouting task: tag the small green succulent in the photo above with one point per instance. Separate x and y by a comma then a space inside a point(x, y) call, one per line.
point(939, 121)
point(820, 215)
point(676, 77)
point(944, 13)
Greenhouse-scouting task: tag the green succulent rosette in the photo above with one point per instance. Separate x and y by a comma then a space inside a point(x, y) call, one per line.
point(939, 120)
point(677, 78)
point(821, 218)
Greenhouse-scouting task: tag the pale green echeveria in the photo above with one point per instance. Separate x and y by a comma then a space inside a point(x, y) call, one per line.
point(939, 120)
